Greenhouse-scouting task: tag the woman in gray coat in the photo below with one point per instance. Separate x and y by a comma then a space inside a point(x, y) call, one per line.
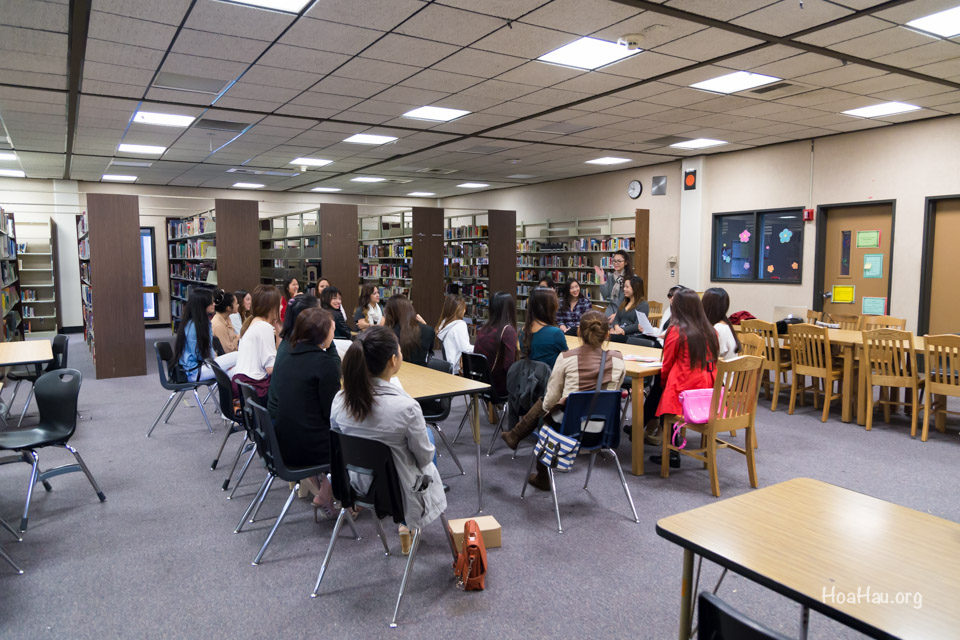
point(370, 406)
point(611, 286)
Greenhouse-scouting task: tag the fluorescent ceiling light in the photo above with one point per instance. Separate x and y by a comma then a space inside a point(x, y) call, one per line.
point(945, 23)
point(438, 114)
point(522, 176)
point(735, 82)
point(311, 162)
point(287, 6)
point(326, 189)
point(365, 138)
point(12, 173)
point(588, 53)
point(130, 163)
point(699, 143)
point(247, 185)
point(878, 110)
point(473, 185)
point(141, 149)
point(608, 160)
point(7, 156)
point(367, 179)
point(163, 119)
point(113, 177)
point(421, 194)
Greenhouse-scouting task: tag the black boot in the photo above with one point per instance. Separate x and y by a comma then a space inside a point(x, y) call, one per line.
point(540, 479)
point(674, 459)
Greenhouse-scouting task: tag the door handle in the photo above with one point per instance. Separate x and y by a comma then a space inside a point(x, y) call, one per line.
point(828, 295)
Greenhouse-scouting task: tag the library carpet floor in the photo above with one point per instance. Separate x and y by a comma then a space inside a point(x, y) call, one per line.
point(159, 558)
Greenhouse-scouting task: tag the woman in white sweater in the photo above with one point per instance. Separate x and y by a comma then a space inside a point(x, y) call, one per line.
point(716, 304)
point(452, 331)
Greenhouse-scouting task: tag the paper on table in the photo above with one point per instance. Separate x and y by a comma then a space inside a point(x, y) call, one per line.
point(646, 359)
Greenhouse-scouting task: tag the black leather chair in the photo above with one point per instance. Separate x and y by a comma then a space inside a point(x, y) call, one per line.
point(436, 411)
point(717, 620)
point(56, 393)
point(475, 367)
point(165, 363)
point(59, 349)
point(233, 417)
point(217, 346)
point(373, 459)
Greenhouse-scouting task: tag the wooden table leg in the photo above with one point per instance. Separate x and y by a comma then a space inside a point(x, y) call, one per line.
point(475, 426)
point(862, 392)
point(686, 596)
point(636, 448)
point(847, 413)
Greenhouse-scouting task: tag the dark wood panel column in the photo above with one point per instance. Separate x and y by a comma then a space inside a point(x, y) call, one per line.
point(238, 244)
point(427, 293)
point(338, 251)
point(114, 233)
point(502, 229)
point(641, 256)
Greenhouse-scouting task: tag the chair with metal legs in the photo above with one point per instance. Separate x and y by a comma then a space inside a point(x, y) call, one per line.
point(165, 363)
point(247, 392)
point(371, 461)
point(475, 367)
point(266, 438)
point(3, 554)
point(232, 417)
point(436, 411)
point(59, 349)
point(56, 394)
point(594, 439)
point(719, 621)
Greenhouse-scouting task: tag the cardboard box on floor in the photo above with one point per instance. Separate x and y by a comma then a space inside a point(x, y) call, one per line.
point(489, 529)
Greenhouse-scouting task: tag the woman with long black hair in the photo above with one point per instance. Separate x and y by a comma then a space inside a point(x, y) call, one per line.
point(415, 336)
point(611, 286)
point(194, 341)
point(291, 286)
point(497, 339)
point(716, 304)
point(330, 300)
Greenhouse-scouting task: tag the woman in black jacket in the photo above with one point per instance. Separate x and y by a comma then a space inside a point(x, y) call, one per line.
point(305, 379)
point(330, 300)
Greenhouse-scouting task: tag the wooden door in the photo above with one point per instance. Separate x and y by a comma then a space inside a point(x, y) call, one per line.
point(944, 302)
point(855, 252)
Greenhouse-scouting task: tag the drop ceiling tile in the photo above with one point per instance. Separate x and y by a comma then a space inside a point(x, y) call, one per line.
point(376, 71)
point(127, 55)
point(729, 103)
point(581, 17)
point(169, 95)
point(434, 80)
point(408, 50)
point(707, 44)
point(301, 59)
point(450, 25)
point(720, 9)
point(681, 97)
point(602, 104)
point(169, 12)
point(524, 41)
point(330, 36)
point(919, 90)
point(937, 100)
point(749, 61)
point(117, 73)
point(783, 18)
point(267, 76)
point(913, 10)
point(499, 90)
point(595, 82)
point(33, 63)
point(678, 115)
point(364, 117)
point(366, 13)
point(948, 69)
point(839, 75)
point(825, 120)
point(103, 87)
point(36, 15)
point(238, 20)
point(116, 28)
point(878, 83)
point(307, 111)
point(32, 41)
point(479, 63)
point(813, 98)
point(644, 91)
point(637, 109)
point(657, 29)
point(856, 124)
point(800, 65)
point(514, 109)
point(410, 96)
point(845, 31)
point(540, 74)
point(350, 87)
point(212, 45)
point(260, 92)
point(248, 104)
point(648, 64)
point(509, 9)
point(923, 55)
point(224, 70)
point(552, 97)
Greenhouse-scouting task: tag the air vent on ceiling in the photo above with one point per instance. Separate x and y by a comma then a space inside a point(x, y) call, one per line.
point(195, 84)
point(483, 149)
point(772, 87)
point(397, 181)
point(439, 172)
point(220, 125)
point(565, 128)
point(262, 172)
point(666, 141)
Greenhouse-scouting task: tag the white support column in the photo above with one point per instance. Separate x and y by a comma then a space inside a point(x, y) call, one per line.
point(66, 206)
point(692, 255)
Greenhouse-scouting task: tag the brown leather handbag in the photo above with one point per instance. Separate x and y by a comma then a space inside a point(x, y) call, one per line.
point(470, 567)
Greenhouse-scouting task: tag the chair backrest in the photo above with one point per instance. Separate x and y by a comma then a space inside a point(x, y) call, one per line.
point(850, 322)
point(56, 393)
point(734, 401)
point(753, 344)
point(217, 346)
point(476, 367)
point(261, 430)
point(889, 357)
point(437, 410)
point(717, 620)
point(164, 358)
point(247, 393)
point(642, 342)
point(224, 390)
point(368, 458)
point(767, 331)
point(813, 316)
point(883, 322)
point(943, 364)
point(809, 350)
point(59, 349)
point(655, 307)
point(607, 408)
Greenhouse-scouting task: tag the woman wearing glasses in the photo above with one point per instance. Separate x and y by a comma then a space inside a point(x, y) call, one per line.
point(611, 287)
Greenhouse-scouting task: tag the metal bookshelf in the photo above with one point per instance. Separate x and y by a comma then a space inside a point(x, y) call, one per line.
point(290, 247)
point(386, 253)
point(10, 303)
point(466, 264)
point(37, 256)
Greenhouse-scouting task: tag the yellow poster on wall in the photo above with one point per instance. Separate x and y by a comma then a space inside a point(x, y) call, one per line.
point(843, 294)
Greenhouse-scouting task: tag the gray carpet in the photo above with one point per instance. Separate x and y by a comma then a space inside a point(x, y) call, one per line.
point(159, 558)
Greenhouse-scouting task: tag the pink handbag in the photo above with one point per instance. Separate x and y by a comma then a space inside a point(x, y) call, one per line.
point(696, 410)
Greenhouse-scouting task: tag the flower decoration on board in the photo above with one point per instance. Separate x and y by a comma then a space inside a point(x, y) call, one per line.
point(746, 265)
point(795, 266)
point(745, 236)
point(785, 236)
point(725, 255)
point(770, 268)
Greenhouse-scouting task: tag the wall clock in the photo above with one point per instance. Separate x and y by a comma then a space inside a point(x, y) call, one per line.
point(634, 189)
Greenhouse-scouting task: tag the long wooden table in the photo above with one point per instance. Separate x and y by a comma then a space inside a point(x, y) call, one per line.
point(833, 550)
point(423, 383)
point(636, 371)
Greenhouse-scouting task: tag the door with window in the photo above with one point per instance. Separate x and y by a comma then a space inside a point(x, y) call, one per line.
point(943, 267)
point(854, 256)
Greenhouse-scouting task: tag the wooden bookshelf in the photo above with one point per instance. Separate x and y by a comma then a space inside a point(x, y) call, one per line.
point(37, 254)
point(10, 285)
point(192, 256)
point(386, 253)
point(238, 243)
point(425, 294)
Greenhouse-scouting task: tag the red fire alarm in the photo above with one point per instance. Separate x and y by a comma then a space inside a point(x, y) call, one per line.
point(808, 215)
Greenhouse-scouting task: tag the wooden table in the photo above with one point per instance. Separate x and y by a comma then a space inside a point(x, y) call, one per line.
point(636, 371)
point(24, 352)
point(810, 541)
point(423, 383)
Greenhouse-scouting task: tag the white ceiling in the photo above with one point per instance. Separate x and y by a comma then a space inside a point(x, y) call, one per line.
point(299, 85)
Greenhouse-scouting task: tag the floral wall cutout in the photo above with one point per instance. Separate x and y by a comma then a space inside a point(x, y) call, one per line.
point(745, 236)
point(746, 265)
point(795, 266)
point(785, 236)
point(770, 268)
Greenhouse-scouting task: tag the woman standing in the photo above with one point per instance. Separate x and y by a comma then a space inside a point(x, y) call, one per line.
point(542, 339)
point(415, 336)
point(225, 306)
point(290, 289)
point(369, 312)
point(452, 331)
point(497, 339)
point(194, 343)
point(571, 307)
point(611, 288)
point(238, 317)
point(331, 301)
point(716, 304)
point(258, 341)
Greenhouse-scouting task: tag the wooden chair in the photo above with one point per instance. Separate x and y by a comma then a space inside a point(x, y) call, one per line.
point(813, 316)
point(602, 308)
point(890, 361)
point(752, 344)
point(943, 378)
point(810, 355)
point(883, 322)
point(655, 307)
point(734, 406)
point(847, 322)
point(774, 357)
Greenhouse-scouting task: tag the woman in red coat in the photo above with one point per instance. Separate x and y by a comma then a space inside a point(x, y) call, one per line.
point(690, 350)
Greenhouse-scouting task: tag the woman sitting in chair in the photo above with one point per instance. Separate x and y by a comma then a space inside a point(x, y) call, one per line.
point(575, 370)
point(370, 406)
point(194, 342)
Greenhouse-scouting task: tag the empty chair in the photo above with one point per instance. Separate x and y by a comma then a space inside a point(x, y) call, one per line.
point(603, 434)
point(59, 349)
point(890, 361)
point(475, 367)
point(436, 411)
point(165, 364)
point(814, 316)
point(655, 307)
point(231, 416)
point(752, 344)
point(56, 394)
point(371, 483)
point(733, 406)
point(811, 355)
point(716, 620)
point(942, 358)
point(776, 359)
point(849, 322)
point(883, 322)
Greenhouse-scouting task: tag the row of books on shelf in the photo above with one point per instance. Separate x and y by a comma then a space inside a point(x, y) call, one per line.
point(473, 251)
point(8, 247)
point(554, 261)
point(7, 220)
point(8, 274)
point(85, 271)
point(388, 289)
point(577, 244)
point(386, 251)
point(194, 248)
point(191, 227)
point(83, 248)
point(86, 294)
point(31, 312)
point(466, 232)
point(203, 271)
point(559, 277)
point(8, 298)
point(472, 292)
point(384, 271)
point(466, 271)
point(176, 308)
point(82, 225)
point(11, 327)
point(32, 295)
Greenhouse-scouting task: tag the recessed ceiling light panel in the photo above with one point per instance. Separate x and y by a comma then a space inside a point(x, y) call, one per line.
point(880, 110)
point(7, 156)
point(735, 82)
point(944, 23)
point(286, 6)
point(521, 176)
point(163, 119)
point(436, 114)
point(194, 84)
point(367, 179)
point(12, 173)
point(311, 162)
point(608, 160)
point(588, 53)
point(699, 143)
point(473, 185)
point(326, 189)
point(247, 185)
point(114, 177)
point(130, 163)
point(365, 138)
point(141, 149)
point(421, 194)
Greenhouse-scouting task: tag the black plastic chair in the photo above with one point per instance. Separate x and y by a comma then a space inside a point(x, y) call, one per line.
point(165, 363)
point(606, 438)
point(475, 367)
point(436, 411)
point(56, 394)
point(373, 459)
point(59, 349)
point(231, 416)
point(717, 620)
point(217, 346)
point(3, 554)
point(266, 438)
point(247, 393)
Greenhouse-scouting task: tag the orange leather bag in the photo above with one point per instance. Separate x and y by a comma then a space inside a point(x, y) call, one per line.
point(470, 567)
